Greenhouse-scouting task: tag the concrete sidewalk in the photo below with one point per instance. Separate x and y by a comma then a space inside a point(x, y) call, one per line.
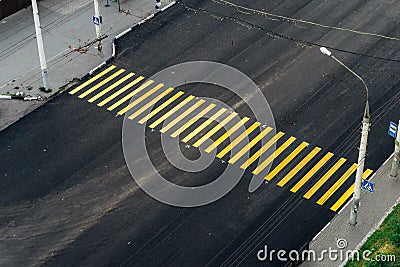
point(66, 25)
point(373, 210)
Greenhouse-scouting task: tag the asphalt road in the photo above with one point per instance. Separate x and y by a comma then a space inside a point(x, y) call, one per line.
point(67, 197)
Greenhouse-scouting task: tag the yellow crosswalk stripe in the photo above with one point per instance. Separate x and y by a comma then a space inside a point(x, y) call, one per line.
point(235, 142)
point(83, 85)
point(109, 88)
point(130, 95)
point(136, 101)
point(123, 89)
point(153, 101)
point(349, 192)
point(100, 84)
point(336, 185)
point(193, 120)
point(268, 161)
point(182, 116)
point(215, 129)
point(203, 125)
point(226, 135)
point(160, 107)
point(172, 111)
point(324, 178)
point(264, 148)
point(286, 161)
point(311, 172)
point(299, 166)
point(247, 147)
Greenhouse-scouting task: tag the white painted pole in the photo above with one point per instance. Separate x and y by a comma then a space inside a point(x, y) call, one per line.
point(98, 27)
point(396, 159)
point(363, 144)
point(360, 167)
point(42, 57)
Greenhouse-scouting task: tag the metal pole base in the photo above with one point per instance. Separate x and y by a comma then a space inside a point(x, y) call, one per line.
point(354, 210)
point(395, 166)
point(45, 80)
point(99, 49)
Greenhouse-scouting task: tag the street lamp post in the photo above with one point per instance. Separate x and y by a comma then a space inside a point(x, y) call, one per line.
point(363, 144)
point(39, 40)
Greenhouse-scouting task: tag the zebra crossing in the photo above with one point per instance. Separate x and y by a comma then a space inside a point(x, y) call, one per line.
point(307, 170)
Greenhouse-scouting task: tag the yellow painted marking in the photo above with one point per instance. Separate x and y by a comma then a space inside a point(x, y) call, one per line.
point(136, 101)
point(286, 161)
point(264, 148)
point(123, 89)
point(172, 111)
point(153, 101)
point(215, 129)
point(336, 185)
point(160, 107)
point(299, 166)
point(226, 135)
point(250, 145)
point(100, 84)
point(349, 192)
point(324, 178)
point(182, 116)
point(235, 142)
point(83, 85)
point(268, 161)
point(193, 120)
point(109, 88)
point(203, 125)
point(311, 172)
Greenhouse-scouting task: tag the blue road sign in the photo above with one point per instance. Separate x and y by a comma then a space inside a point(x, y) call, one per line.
point(96, 20)
point(368, 186)
point(392, 129)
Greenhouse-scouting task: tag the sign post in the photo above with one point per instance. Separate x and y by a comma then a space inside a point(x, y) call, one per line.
point(396, 158)
point(97, 22)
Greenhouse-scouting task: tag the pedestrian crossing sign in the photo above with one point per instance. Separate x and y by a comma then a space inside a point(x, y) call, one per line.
point(368, 186)
point(392, 129)
point(96, 20)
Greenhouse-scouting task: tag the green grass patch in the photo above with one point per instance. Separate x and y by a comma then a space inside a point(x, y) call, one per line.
point(382, 243)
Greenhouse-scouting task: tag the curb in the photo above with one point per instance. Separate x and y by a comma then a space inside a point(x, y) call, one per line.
point(114, 47)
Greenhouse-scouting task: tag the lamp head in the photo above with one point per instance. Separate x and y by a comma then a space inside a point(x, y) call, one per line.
point(325, 51)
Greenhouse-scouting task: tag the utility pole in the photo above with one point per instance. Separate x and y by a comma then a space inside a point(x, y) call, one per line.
point(360, 166)
point(363, 144)
point(396, 158)
point(42, 57)
point(97, 20)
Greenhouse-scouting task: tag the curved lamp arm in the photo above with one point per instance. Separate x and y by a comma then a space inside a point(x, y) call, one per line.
point(328, 53)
